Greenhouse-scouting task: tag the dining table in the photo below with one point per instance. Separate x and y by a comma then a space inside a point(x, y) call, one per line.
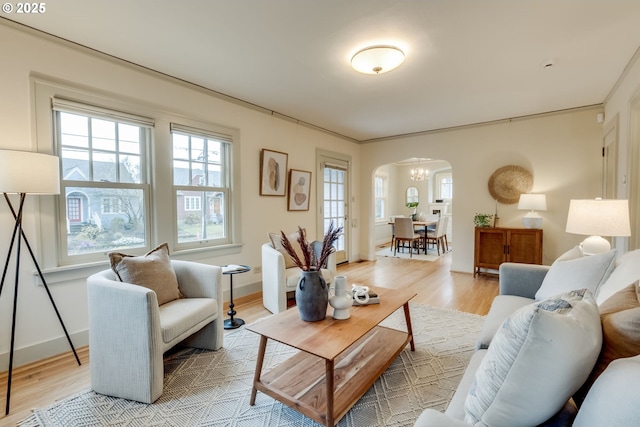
point(424, 224)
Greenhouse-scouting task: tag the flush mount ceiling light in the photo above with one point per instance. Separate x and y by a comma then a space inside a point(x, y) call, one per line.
point(377, 59)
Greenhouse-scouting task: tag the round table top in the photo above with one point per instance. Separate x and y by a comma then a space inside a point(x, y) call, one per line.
point(234, 269)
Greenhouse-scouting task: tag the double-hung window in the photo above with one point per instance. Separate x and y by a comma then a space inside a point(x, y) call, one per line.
point(201, 186)
point(380, 185)
point(104, 191)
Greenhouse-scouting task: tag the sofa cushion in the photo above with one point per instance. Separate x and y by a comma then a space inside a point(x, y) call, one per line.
point(153, 271)
point(620, 316)
point(456, 406)
point(568, 274)
point(613, 399)
point(627, 271)
point(276, 241)
point(539, 357)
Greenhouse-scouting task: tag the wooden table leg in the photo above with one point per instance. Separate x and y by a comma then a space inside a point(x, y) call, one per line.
point(330, 391)
point(259, 361)
point(407, 318)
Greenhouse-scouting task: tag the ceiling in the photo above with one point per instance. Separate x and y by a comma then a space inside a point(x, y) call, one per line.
point(467, 61)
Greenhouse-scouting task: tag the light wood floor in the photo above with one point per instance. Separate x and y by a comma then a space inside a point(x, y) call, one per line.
point(42, 383)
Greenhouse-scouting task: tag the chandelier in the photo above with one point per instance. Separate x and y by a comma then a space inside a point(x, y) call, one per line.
point(419, 174)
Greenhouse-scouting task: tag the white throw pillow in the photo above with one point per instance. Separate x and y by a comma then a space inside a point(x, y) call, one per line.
point(538, 358)
point(627, 271)
point(568, 274)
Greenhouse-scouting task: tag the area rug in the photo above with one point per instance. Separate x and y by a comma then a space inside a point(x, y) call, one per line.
point(386, 252)
point(212, 388)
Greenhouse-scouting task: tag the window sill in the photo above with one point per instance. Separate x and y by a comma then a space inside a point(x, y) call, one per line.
point(69, 273)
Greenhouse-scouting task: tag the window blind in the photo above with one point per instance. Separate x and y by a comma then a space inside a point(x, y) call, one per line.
point(68, 106)
point(202, 133)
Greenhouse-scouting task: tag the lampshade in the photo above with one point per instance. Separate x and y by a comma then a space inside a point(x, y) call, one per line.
point(29, 172)
point(534, 202)
point(597, 217)
point(377, 59)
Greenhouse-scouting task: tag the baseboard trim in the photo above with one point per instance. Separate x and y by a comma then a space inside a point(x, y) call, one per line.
point(34, 353)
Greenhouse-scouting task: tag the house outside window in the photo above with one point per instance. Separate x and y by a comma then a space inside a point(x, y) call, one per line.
point(104, 188)
point(380, 185)
point(111, 205)
point(201, 185)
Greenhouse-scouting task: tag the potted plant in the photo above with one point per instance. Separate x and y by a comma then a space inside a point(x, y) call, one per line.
point(482, 220)
point(414, 206)
point(312, 292)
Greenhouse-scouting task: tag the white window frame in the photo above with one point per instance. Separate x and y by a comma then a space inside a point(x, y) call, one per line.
point(383, 198)
point(161, 200)
point(192, 203)
point(115, 207)
point(439, 178)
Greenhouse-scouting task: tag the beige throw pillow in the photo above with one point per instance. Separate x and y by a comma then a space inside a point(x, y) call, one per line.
point(620, 316)
point(276, 241)
point(153, 271)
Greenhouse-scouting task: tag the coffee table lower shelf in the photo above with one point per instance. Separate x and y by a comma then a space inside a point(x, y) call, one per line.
point(325, 390)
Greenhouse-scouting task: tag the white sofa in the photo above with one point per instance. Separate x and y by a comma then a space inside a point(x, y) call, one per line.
point(129, 332)
point(278, 281)
point(610, 401)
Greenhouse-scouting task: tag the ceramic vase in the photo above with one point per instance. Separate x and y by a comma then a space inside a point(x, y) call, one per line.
point(341, 300)
point(312, 296)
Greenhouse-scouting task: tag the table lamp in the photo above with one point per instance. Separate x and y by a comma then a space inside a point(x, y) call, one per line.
point(23, 173)
point(532, 203)
point(596, 218)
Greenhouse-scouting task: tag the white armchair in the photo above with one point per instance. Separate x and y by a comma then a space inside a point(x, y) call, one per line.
point(129, 332)
point(278, 281)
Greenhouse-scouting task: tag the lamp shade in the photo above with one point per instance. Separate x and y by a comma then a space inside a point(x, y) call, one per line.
point(599, 217)
point(535, 202)
point(29, 172)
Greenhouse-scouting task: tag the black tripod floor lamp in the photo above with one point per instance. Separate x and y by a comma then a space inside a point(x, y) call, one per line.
point(23, 173)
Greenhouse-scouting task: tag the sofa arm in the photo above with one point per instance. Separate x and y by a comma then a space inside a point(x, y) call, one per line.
point(433, 418)
point(274, 296)
point(522, 280)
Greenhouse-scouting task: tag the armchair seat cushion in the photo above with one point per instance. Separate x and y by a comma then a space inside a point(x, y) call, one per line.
point(182, 317)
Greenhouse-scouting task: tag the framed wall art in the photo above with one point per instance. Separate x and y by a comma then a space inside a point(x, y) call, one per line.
point(299, 188)
point(273, 172)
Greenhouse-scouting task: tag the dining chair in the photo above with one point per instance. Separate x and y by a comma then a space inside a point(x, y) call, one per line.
point(438, 236)
point(392, 220)
point(422, 231)
point(404, 233)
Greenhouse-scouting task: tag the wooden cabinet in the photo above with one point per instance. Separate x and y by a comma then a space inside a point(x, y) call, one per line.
point(495, 245)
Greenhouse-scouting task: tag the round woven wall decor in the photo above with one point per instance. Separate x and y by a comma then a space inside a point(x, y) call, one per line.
point(507, 183)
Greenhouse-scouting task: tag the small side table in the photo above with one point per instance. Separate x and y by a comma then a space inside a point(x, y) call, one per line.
point(232, 323)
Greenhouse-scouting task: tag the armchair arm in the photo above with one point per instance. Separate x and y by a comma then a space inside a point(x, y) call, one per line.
point(522, 280)
point(274, 296)
point(197, 280)
point(119, 357)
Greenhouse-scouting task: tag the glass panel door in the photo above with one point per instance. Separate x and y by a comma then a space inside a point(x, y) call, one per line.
point(335, 204)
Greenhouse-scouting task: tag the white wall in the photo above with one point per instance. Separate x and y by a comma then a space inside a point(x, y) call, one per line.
point(622, 110)
point(25, 53)
point(562, 151)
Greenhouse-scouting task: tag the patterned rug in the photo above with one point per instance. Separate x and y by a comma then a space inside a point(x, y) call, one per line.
point(386, 252)
point(212, 388)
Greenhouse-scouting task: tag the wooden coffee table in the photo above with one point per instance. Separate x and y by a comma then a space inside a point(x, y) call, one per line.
point(339, 359)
